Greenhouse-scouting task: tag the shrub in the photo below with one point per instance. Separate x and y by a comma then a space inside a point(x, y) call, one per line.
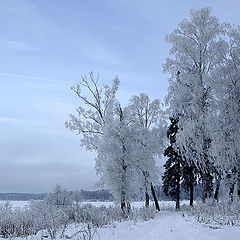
point(220, 213)
point(53, 219)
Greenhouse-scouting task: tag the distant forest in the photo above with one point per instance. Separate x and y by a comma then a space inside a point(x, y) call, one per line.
point(98, 195)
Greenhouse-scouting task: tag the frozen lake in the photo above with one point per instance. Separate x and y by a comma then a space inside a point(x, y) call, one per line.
point(163, 204)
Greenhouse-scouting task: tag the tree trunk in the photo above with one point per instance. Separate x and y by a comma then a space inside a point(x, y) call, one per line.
point(123, 191)
point(128, 207)
point(231, 191)
point(217, 189)
point(206, 170)
point(178, 195)
point(191, 192)
point(205, 187)
point(155, 198)
point(178, 186)
point(238, 181)
point(178, 203)
point(123, 204)
point(145, 174)
point(147, 199)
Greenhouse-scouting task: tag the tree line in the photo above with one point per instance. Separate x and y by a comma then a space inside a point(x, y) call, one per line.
point(196, 128)
point(204, 104)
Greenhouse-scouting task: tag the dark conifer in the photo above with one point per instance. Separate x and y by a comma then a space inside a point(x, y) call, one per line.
point(189, 177)
point(172, 174)
point(178, 171)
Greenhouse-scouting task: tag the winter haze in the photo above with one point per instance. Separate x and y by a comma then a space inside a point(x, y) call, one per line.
point(45, 48)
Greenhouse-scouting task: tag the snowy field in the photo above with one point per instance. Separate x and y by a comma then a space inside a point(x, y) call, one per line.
point(163, 204)
point(167, 225)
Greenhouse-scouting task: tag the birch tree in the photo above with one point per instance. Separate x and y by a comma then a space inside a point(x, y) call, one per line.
point(99, 103)
point(194, 54)
point(148, 119)
point(114, 162)
point(103, 126)
point(227, 89)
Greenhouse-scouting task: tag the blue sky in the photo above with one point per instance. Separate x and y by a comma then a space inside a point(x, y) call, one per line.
point(45, 46)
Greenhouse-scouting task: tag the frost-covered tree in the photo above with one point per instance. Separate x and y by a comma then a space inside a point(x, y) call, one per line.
point(227, 89)
point(99, 105)
point(194, 54)
point(147, 118)
point(126, 140)
point(102, 119)
point(77, 197)
point(115, 157)
point(59, 197)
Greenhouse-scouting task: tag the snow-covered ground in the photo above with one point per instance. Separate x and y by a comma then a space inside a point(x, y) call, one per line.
point(16, 204)
point(167, 225)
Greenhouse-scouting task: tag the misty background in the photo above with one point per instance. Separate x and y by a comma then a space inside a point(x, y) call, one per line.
point(45, 47)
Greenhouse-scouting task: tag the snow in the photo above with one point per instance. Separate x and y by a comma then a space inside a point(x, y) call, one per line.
point(137, 204)
point(168, 226)
point(163, 204)
point(16, 204)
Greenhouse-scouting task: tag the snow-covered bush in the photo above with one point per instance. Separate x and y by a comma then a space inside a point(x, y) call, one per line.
point(52, 220)
point(59, 197)
point(146, 214)
point(48, 217)
point(23, 222)
point(16, 222)
point(94, 215)
point(60, 209)
point(223, 212)
point(97, 216)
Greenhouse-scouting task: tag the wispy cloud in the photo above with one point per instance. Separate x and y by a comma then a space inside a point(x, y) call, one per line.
point(11, 45)
point(16, 121)
point(29, 77)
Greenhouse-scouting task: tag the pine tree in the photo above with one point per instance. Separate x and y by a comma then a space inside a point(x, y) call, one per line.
point(172, 173)
point(179, 172)
point(189, 178)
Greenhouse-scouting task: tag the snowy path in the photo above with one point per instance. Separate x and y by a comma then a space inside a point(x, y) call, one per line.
point(169, 226)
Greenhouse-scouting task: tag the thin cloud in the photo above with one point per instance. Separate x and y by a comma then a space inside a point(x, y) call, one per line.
point(29, 77)
point(11, 45)
point(52, 127)
point(17, 121)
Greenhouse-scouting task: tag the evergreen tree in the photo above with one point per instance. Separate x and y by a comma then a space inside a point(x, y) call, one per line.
point(172, 173)
point(189, 179)
point(179, 172)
